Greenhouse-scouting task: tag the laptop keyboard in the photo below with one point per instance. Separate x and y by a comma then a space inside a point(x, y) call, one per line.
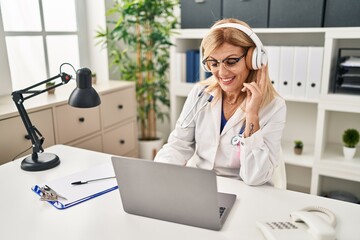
point(221, 210)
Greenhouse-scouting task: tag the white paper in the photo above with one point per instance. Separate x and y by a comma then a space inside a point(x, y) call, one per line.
point(74, 193)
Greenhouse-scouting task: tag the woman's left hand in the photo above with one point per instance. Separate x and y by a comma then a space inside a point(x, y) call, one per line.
point(255, 92)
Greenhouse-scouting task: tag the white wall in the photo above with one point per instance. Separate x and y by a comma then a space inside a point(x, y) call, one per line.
point(96, 20)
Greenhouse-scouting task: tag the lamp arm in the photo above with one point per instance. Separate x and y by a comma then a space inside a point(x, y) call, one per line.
point(34, 134)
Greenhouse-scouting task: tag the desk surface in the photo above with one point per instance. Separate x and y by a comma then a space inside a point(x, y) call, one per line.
point(24, 216)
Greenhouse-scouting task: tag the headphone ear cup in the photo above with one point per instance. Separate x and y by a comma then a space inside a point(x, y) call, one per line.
point(251, 53)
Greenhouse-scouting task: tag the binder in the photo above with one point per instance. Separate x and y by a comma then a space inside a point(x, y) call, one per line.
point(181, 67)
point(314, 72)
point(300, 71)
point(286, 70)
point(196, 66)
point(273, 53)
point(192, 66)
point(76, 194)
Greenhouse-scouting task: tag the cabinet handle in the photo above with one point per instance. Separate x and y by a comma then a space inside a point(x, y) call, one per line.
point(313, 85)
point(27, 137)
point(285, 83)
point(122, 141)
point(81, 119)
point(272, 82)
point(120, 106)
point(299, 84)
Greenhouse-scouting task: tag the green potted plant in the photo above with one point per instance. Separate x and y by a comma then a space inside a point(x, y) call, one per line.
point(298, 147)
point(350, 139)
point(93, 78)
point(138, 42)
point(50, 84)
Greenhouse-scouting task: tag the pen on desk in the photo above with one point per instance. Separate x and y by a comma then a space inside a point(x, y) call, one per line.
point(92, 180)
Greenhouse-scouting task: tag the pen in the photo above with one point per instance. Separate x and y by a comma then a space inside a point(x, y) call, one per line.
point(92, 180)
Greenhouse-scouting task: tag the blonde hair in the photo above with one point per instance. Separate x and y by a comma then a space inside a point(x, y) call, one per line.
point(217, 37)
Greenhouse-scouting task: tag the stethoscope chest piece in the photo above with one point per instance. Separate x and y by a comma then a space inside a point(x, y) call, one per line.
point(235, 140)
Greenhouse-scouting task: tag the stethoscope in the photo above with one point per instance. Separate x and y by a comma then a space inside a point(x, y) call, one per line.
point(199, 96)
point(235, 140)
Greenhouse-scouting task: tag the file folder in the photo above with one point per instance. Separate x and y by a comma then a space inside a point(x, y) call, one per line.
point(181, 67)
point(76, 194)
point(286, 70)
point(314, 72)
point(300, 71)
point(273, 53)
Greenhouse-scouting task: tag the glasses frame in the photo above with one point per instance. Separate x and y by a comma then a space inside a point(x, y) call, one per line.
point(207, 60)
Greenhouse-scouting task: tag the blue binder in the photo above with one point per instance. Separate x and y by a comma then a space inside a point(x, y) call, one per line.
point(192, 65)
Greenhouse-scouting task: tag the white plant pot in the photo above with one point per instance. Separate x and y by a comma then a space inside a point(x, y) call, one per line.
point(349, 153)
point(148, 149)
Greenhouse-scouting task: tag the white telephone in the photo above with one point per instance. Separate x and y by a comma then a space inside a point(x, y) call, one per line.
point(318, 223)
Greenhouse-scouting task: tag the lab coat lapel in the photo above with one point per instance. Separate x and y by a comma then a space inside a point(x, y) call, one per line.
point(236, 119)
point(216, 117)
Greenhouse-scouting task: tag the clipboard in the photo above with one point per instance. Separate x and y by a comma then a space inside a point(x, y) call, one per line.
point(76, 194)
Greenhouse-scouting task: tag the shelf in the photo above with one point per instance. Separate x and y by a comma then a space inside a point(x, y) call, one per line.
point(303, 100)
point(306, 159)
point(319, 121)
point(340, 102)
point(333, 158)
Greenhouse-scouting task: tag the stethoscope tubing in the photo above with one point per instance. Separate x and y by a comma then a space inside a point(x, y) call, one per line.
point(197, 112)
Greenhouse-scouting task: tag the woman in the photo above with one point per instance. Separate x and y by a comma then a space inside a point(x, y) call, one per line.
point(233, 121)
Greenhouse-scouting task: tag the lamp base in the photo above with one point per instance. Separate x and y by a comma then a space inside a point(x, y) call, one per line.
point(40, 162)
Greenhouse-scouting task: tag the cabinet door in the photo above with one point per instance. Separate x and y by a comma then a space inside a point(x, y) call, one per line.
point(121, 140)
point(200, 13)
point(295, 13)
point(118, 106)
point(94, 144)
point(254, 12)
point(344, 13)
point(74, 123)
point(13, 134)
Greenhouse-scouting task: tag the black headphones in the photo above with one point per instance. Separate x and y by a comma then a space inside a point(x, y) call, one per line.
point(255, 57)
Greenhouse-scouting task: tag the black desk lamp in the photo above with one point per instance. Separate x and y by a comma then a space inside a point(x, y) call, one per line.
point(83, 96)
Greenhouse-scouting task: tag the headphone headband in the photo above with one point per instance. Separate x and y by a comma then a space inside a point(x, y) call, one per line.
point(257, 56)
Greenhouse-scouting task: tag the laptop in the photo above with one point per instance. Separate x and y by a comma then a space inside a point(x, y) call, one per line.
point(173, 193)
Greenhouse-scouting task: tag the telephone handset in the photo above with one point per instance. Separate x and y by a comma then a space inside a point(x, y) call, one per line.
point(313, 227)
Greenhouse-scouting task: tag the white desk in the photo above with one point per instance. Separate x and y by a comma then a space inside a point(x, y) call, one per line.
point(24, 216)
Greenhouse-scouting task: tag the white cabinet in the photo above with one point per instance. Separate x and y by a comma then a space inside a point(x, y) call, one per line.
point(111, 127)
point(74, 123)
point(14, 138)
point(315, 116)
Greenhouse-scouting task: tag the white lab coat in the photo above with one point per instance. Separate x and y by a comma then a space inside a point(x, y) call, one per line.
point(253, 160)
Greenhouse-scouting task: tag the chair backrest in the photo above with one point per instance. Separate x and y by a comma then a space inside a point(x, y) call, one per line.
point(279, 176)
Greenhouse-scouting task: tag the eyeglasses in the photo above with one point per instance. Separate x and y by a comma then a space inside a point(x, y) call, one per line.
point(229, 63)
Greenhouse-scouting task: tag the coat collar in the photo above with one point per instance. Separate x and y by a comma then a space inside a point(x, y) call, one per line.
point(237, 118)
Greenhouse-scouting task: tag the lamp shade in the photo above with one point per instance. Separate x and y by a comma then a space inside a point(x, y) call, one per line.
point(84, 95)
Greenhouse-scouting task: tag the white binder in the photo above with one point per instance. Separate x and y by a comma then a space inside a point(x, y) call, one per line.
point(286, 70)
point(314, 72)
point(273, 53)
point(181, 67)
point(300, 71)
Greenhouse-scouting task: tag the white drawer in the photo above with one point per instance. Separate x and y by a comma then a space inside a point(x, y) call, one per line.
point(93, 143)
point(74, 123)
point(121, 140)
point(118, 106)
point(13, 132)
